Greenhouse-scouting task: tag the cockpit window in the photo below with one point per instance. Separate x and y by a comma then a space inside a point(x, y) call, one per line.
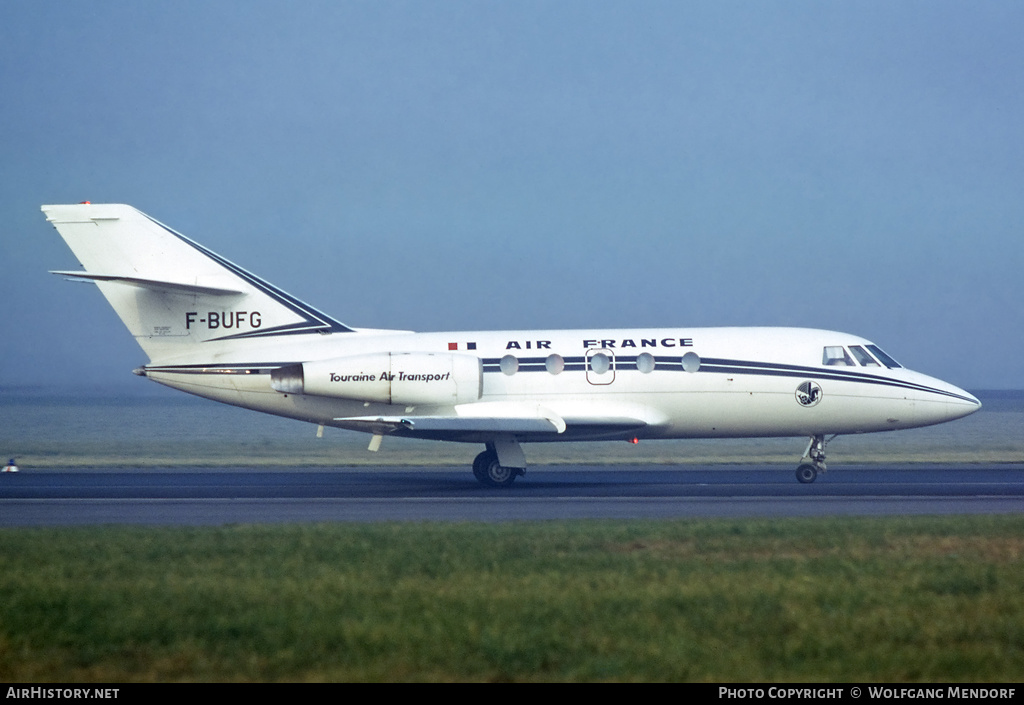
point(836, 355)
point(886, 360)
point(862, 356)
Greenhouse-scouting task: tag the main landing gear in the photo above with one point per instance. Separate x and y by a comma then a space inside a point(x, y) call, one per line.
point(815, 454)
point(489, 471)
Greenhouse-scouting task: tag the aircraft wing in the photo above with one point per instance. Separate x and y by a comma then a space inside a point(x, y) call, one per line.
point(429, 425)
point(472, 421)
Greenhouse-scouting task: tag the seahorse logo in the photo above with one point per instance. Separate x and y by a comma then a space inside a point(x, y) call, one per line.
point(808, 394)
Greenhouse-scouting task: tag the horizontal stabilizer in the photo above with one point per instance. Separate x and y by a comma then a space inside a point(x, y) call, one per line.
point(174, 287)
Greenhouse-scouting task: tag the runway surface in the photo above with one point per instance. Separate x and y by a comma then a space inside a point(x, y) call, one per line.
point(217, 496)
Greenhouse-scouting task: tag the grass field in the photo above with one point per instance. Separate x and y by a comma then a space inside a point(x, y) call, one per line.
point(852, 599)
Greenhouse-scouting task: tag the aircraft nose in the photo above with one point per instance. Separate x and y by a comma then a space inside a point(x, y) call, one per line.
point(945, 402)
point(966, 405)
point(972, 400)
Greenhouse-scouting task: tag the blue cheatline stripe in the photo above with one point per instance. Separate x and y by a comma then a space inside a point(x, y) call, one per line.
point(314, 321)
point(829, 373)
point(577, 364)
point(745, 367)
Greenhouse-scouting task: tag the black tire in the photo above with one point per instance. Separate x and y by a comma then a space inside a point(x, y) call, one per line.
point(480, 466)
point(806, 473)
point(490, 473)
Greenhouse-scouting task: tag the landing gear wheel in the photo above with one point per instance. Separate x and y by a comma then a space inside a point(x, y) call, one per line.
point(489, 472)
point(815, 453)
point(806, 473)
point(480, 465)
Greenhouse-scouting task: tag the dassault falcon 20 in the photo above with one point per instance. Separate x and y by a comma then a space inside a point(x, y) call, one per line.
point(213, 329)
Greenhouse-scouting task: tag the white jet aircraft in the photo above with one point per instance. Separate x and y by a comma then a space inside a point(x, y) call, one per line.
point(213, 329)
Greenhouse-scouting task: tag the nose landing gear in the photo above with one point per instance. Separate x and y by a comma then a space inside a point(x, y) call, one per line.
point(815, 453)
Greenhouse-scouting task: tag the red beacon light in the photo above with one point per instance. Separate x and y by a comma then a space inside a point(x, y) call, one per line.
point(85, 203)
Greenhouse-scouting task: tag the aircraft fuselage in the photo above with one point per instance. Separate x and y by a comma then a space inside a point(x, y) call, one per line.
point(743, 382)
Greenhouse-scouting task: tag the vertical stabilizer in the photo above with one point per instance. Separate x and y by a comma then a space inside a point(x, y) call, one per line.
point(171, 292)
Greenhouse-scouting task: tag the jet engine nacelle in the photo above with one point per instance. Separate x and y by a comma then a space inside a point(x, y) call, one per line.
point(392, 378)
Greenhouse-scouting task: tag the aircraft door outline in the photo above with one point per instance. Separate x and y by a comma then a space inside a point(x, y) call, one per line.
point(600, 366)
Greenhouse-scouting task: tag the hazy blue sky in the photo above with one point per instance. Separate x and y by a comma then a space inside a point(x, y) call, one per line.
point(482, 165)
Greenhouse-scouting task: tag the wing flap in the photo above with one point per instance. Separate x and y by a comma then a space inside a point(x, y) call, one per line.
point(606, 423)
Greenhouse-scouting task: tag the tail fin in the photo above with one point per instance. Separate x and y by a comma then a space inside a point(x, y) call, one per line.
point(171, 292)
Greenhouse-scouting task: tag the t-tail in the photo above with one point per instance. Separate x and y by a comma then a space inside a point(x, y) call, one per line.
point(173, 293)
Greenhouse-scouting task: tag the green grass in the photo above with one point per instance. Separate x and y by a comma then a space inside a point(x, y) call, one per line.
point(893, 599)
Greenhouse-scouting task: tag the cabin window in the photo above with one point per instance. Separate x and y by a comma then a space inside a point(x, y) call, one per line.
point(836, 355)
point(862, 356)
point(645, 362)
point(600, 363)
point(691, 362)
point(886, 360)
point(509, 365)
point(555, 363)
